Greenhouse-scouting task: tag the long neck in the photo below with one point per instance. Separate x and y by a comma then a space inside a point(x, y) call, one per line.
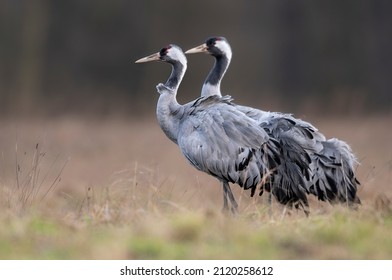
point(176, 75)
point(211, 85)
point(169, 112)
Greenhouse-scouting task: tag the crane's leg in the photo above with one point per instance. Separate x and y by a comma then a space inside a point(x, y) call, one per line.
point(227, 194)
point(225, 201)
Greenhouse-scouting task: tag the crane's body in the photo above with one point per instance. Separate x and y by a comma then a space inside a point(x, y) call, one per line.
point(332, 162)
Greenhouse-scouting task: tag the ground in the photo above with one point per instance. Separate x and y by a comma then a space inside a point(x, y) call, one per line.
point(117, 188)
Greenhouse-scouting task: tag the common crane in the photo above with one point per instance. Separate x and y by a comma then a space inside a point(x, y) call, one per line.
point(332, 164)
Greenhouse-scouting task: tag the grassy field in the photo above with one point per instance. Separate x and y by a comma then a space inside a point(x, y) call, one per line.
point(117, 189)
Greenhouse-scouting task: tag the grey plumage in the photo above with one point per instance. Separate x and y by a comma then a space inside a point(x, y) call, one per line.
point(222, 141)
point(331, 162)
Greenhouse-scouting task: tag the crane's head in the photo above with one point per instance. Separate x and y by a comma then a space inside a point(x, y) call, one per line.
point(215, 46)
point(171, 54)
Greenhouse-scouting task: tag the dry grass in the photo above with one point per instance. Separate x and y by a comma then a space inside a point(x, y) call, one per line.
point(127, 192)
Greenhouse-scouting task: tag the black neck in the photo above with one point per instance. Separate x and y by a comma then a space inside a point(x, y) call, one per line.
point(176, 75)
point(218, 71)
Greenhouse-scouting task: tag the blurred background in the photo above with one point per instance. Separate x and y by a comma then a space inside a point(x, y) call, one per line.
point(307, 57)
point(79, 141)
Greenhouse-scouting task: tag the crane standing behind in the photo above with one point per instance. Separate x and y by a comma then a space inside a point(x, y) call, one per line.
point(332, 161)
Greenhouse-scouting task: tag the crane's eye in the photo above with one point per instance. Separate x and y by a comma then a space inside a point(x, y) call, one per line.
point(210, 42)
point(163, 52)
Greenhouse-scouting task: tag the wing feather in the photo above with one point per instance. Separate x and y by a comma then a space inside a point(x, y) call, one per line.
point(218, 139)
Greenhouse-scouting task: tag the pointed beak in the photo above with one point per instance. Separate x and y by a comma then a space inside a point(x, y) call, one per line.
point(199, 49)
point(153, 57)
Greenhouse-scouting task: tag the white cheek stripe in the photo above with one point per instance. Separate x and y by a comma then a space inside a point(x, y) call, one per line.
point(225, 48)
point(177, 55)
